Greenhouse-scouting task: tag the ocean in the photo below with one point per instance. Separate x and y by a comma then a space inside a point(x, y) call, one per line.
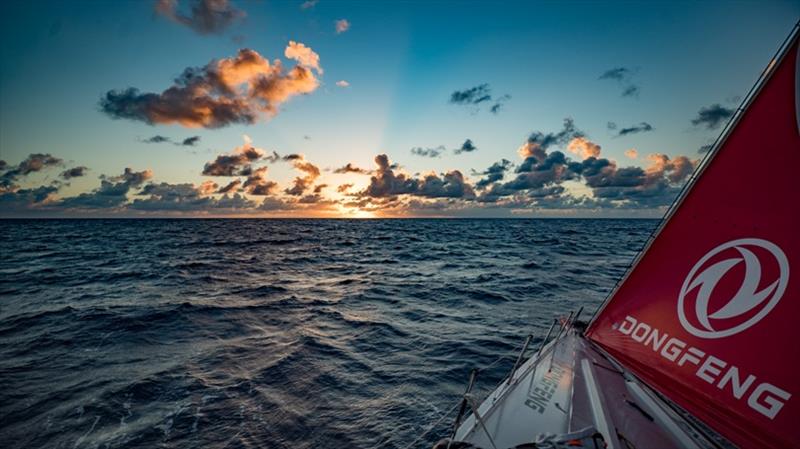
point(278, 333)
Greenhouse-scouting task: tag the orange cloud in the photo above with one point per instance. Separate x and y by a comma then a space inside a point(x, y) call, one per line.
point(241, 89)
point(583, 147)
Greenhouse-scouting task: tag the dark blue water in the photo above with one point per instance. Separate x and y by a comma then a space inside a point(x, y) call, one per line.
point(276, 333)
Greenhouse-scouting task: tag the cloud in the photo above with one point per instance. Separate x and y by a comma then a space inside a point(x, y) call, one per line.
point(583, 147)
point(308, 4)
point(74, 172)
point(466, 147)
point(190, 141)
point(624, 77)
point(496, 172)
point(342, 83)
point(241, 89)
point(350, 168)
point(343, 188)
point(616, 74)
point(157, 139)
point(542, 172)
point(630, 91)
point(342, 25)
point(499, 103)
point(237, 163)
point(187, 142)
point(112, 193)
point(208, 187)
point(472, 96)
point(632, 153)
point(302, 183)
point(428, 152)
point(186, 197)
point(205, 17)
point(258, 184)
point(535, 148)
point(231, 187)
point(35, 162)
point(477, 96)
point(705, 148)
point(642, 127)
point(712, 116)
point(24, 199)
point(304, 56)
point(386, 183)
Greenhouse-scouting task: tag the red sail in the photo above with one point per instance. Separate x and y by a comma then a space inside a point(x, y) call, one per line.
point(710, 315)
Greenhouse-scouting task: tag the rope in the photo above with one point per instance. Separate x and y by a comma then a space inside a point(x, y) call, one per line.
point(444, 415)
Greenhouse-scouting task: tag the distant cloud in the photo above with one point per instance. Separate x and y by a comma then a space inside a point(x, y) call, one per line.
point(205, 16)
point(342, 83)
point(258, 184)
point(343, 188)
point(642, 127)
point(616, 74)
point(540, 175)
point(705, 149)
point(112, 193)
point(26, 199)
point(624, 77)
point(186, 198)
point(713, 116)
point(74, 172)
point(237, 163)
point(466, 147)
point(241, 90)
point(308, 4)
point(387, 183)
point(190, 141)
point(499, 103)
point(472, 96)
point(583, 147)
point(302, 184)
point(33, 163)
point(305, 56)
point(157, 139)
point(187, 142)
point(494, 173)
point(350, 168)
point(428, 152)
point(342, 25)
point(231, 187)
point(632, 153)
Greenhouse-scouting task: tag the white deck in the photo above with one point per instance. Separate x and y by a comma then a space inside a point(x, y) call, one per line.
point(569, 387)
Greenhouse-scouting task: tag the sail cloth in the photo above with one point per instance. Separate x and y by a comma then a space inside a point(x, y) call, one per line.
point(710, 314)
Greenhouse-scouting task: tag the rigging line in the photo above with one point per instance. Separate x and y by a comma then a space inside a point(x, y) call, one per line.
point(442, 417)
point(740, 110)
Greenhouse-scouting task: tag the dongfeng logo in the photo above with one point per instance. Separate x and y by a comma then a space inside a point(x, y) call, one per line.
point(753, 300)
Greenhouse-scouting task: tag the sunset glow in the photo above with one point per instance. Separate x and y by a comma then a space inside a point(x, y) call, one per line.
point(223, 112)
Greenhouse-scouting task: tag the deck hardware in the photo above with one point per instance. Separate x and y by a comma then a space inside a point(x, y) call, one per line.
point(546, 337)
point(463, 407)
point(478, 418)
point(519, 358)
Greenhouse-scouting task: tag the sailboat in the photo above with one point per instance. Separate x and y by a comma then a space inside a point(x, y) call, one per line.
point(697, 345)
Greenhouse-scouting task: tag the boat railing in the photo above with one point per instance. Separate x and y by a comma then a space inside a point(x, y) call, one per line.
point(468, 399)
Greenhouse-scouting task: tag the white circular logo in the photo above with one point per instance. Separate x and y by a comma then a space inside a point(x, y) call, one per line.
point(753, 300)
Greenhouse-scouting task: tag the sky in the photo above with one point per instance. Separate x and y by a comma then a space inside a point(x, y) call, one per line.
point(204, 108)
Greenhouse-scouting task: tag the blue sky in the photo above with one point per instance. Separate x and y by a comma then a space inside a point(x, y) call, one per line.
point(403, 61)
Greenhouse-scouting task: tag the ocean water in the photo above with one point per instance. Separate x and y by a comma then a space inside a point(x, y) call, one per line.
point(277, 333)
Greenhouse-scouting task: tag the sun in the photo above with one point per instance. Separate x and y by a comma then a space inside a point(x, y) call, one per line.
point(355, 212)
